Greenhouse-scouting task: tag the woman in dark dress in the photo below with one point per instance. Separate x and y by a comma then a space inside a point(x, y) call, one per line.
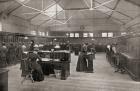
point(82, 63)
point(35, 66)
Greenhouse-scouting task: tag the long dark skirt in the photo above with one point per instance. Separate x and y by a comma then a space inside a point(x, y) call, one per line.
point(37, 73)
point(82, 63)
point(90, 62)
point(11, 59)
point(47, 68)
point(3, 62)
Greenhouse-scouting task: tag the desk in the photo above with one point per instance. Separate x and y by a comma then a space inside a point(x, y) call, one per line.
point(48, 66)
point(62, 55)
point(59, 60)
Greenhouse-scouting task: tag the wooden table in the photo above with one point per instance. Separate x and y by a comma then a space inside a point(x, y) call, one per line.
point(59, 60)
point(48, 66)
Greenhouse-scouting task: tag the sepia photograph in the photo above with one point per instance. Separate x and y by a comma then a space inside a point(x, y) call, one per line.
point(69, 45)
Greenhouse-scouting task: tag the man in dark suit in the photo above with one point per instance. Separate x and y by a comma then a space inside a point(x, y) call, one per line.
point(3, 53)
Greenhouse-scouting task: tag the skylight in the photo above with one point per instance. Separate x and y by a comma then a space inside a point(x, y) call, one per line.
point(53, 10)
point(23, 1)
point(102, 8)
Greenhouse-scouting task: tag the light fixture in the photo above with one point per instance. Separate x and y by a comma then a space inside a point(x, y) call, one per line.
point(67, 34)
point(91, 9)
point(123, 33)
point(40, 45)
point(36, 45)
point(57, 46)
point(55, 39)
point(26, 37)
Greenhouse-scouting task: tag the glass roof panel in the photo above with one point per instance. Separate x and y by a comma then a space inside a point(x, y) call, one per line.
point(131, 10)
point(102, 8)
point(110, 4)
point(121, 17)
point(117, 21)
point(23, 1)
point(52, 11)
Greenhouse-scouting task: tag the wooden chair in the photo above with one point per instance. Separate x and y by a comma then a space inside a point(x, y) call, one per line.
point(26, 70)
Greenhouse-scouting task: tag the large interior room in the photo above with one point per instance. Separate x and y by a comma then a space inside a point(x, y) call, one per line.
point(69, 45)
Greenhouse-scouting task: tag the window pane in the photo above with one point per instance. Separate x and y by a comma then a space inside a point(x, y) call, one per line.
point(123, 33)
point(67, 34)
point(71, 34)
point(33, 32)
point(104, 34)
point(85, 34)
point(47, 34)
point(110, 34)
point(90, 34)
point(76, 34)
point(43, 34)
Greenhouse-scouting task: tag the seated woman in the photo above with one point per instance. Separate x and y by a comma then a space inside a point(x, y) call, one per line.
point(35, 66)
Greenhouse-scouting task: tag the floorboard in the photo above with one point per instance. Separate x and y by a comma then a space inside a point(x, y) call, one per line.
point(103, 79)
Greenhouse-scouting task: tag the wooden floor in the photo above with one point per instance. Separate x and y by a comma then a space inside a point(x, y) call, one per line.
point(104, 79)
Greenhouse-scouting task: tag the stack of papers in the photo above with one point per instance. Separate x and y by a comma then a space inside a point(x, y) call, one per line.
point(48, 59)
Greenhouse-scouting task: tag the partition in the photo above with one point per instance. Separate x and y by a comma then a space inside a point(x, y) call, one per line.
point(129, 49)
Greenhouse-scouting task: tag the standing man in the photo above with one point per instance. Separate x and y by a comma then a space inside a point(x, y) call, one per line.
point(114, 56)
point(3, 53)
point(11, 54)
point(108, 53)
point(19, 52)
point(32, 45)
